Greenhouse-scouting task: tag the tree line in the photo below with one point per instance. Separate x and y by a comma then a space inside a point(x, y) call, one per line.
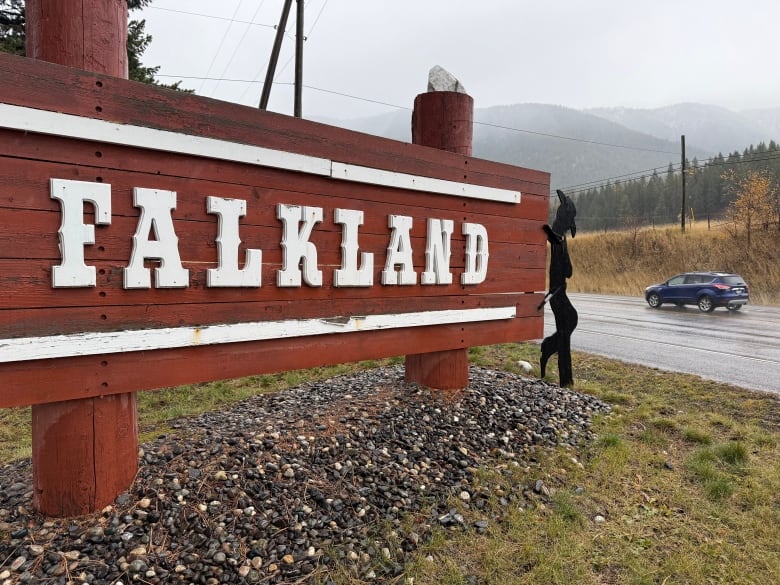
point(741, 189)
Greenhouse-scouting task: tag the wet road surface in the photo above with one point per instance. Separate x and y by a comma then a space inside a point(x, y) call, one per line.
point(736, 347)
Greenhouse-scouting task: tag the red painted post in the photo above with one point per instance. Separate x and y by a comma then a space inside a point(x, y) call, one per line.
point(444, 120)
point(84, 451)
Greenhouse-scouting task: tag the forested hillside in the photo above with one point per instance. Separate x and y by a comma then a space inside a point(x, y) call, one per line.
point(711, 186)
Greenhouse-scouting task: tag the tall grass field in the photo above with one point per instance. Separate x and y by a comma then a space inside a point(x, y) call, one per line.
point(626, 262)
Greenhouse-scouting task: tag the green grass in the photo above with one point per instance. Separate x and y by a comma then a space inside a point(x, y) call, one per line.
point(680, 486)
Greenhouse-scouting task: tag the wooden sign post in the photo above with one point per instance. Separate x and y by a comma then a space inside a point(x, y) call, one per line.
point(444, 120)
point(151, 238)
point(84, 450)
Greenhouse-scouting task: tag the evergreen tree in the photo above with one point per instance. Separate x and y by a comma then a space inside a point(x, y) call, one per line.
point(12, 26)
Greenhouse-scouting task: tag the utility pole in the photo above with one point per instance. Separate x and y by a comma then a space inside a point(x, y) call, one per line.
point(269, 74)
point(299, 59)
point(682, 174)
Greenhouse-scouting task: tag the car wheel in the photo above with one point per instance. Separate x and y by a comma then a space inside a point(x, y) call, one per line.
point(654, 300)
point(734, 307)
point(705, 304)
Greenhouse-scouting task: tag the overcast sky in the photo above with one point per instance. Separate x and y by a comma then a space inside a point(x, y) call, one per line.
point(575, 53)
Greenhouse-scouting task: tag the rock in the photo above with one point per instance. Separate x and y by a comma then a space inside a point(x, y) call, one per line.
point(525, 367)
point(439, 79)
point(249, 494)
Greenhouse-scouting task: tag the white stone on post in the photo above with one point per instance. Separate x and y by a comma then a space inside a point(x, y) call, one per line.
point(439, 79)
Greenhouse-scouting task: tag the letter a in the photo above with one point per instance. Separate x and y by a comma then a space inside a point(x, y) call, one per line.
point(156, 207)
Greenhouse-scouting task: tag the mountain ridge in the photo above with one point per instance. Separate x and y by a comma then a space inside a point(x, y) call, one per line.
point(596, 144)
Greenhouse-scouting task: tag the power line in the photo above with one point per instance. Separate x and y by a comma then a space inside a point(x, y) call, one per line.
point(209, 16)
point(354, 97)
point(598, 182)
point(305, 38)
point(575, 139)
point(675, 168)
point(240, 42)
point(222, 41)
point(317, 19)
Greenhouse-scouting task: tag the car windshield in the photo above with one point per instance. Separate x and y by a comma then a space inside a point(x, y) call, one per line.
point(732, 280)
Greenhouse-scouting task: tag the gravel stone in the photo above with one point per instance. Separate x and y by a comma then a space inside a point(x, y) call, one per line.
point(277, 488)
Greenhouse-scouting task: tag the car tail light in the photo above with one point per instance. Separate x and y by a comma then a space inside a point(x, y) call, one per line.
point(722, 286)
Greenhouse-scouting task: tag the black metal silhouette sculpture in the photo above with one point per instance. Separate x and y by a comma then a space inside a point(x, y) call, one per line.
point(564, 312)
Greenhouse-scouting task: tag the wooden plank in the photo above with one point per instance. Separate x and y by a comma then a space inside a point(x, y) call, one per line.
point(124, 341)
point(62, 321)
point(165, 170)
point(105, 375)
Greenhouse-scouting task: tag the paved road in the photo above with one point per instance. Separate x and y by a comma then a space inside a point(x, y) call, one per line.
point(737, 347)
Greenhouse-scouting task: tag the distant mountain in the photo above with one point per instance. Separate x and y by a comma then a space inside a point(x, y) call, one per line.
point(711, 128)
point(575, 147)
point(595, 145)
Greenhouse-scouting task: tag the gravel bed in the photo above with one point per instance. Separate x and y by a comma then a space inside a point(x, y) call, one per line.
point(278, 487)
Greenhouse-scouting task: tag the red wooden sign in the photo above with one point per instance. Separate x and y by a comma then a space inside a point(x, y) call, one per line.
point(151, 238)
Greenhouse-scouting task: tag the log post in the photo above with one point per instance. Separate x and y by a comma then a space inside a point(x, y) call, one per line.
point(84, 451)
point(444, 120)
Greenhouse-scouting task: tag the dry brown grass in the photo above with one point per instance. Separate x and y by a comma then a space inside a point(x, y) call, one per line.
point(626, 262)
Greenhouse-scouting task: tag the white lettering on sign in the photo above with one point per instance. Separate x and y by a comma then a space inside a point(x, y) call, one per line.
point(296, 247)
point(228, 273)
point(476, 253)
point(155, 239)
point(399, 252)
point(437, 252)
point(349, 274)
point(156, 206)
point(74, 233)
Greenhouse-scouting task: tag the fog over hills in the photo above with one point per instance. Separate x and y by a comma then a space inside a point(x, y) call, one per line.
point(579, 147)
point(711, 128)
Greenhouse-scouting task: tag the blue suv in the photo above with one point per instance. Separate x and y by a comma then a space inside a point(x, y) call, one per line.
point(707, 290)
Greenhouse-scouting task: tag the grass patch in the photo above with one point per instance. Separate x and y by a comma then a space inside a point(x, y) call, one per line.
point(682, 485)
point(733, 453)
point(697, 436)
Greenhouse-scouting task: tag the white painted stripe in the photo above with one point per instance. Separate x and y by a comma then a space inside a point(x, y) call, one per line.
point(82, 128)
point(417, 183)
point(57, 124)
point(79, 344)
